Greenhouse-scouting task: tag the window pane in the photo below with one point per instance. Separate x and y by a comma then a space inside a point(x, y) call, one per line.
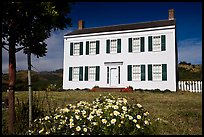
point(157, 72)
point(136, 72)
point(76, 74)
point(136, 45)
point(92, 73)
point(92, 47)
point(76, 48)
point(113, 47)
point(156, 43)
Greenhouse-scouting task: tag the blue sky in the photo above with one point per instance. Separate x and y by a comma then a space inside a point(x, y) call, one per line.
point(95, 14)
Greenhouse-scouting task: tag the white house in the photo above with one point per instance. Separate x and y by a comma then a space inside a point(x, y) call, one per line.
point(141, 55)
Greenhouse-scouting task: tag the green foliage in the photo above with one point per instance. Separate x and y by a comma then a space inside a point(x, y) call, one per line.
point(29, 23)
point(106, 115)
point(22, 113)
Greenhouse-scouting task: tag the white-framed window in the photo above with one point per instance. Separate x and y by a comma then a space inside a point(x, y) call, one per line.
point(92, 73)
point(76, 49)
point(156, 43)
point(75, 73)
point(92, 47)
point(136, 45)
point(136, 72)
point(113, 46)
point(157, 72)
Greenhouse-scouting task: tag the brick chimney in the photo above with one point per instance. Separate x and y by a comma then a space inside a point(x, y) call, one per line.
point(80, 24)
point(171, 14)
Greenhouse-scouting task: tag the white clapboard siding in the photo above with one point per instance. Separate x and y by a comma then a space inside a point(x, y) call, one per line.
point(192, 86)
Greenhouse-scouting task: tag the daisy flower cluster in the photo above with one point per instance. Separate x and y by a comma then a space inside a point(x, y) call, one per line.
point(106, 115)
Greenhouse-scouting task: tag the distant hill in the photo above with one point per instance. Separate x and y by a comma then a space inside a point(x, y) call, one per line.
point(188, 71)
point(41, 80)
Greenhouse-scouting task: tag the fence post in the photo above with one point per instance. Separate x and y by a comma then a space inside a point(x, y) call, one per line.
point(193, 86)
point(200, 86)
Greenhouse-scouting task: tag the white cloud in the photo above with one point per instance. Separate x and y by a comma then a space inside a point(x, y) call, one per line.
point(190, 50)
point(52, 61)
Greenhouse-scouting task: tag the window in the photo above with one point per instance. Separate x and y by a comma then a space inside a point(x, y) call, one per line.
point(156, 43)
point(92, 73)
point(75, 74)
point(92, 48)
point(76, 48)
point(157, 72)
point(113, 47)
point(136, 45)
point(136, 72)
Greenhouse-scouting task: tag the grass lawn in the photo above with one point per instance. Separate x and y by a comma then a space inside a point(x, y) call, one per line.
point(180, 112)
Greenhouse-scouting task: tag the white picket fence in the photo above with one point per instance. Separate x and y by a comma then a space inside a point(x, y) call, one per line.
point(192, 86)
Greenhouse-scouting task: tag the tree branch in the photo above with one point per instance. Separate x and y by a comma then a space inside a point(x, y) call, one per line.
point(5, 48)
point(18, 49)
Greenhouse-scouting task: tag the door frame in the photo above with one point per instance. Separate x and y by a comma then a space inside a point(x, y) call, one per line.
point(111, 65)
point(113, 78)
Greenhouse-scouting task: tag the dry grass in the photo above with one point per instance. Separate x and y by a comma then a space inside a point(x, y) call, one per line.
point(181, 112)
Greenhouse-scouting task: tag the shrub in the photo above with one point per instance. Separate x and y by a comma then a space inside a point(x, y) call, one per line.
point(106, 115)
point(22, 113)
point(52, 87)
point(127, 89)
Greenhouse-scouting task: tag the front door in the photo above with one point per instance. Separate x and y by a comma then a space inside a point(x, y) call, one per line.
point(113, 77)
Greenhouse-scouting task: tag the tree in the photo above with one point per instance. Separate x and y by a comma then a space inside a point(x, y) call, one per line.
point(25, 25)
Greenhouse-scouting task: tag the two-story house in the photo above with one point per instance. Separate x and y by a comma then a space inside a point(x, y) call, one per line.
point(142, 55)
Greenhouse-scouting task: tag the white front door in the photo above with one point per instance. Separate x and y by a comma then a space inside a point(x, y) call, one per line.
point(113, 77)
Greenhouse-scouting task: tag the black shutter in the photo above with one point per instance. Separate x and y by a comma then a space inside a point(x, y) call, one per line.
point(97, 73)
point(108, 46)
point(80, 73)
point(129, 73)
point(71, 49)
point(118, 74)
point(119, 46)
point(150, 43)
point(163, 42)
point(142, 72)
point(97, 46)
point(149, 72)
point(86, 73)
point(142, 44)
point(130, 45)
point(81, 48)
point(107, 75)
point(70, 73)
point(87, 48)
point(164, 72)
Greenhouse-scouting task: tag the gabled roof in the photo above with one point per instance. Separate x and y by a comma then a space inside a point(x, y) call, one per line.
point(123, 27)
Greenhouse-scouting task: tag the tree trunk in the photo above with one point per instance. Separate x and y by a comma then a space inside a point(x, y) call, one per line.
point(12, 81)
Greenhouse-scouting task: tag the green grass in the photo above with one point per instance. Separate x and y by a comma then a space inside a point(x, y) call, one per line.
point(181, 112)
